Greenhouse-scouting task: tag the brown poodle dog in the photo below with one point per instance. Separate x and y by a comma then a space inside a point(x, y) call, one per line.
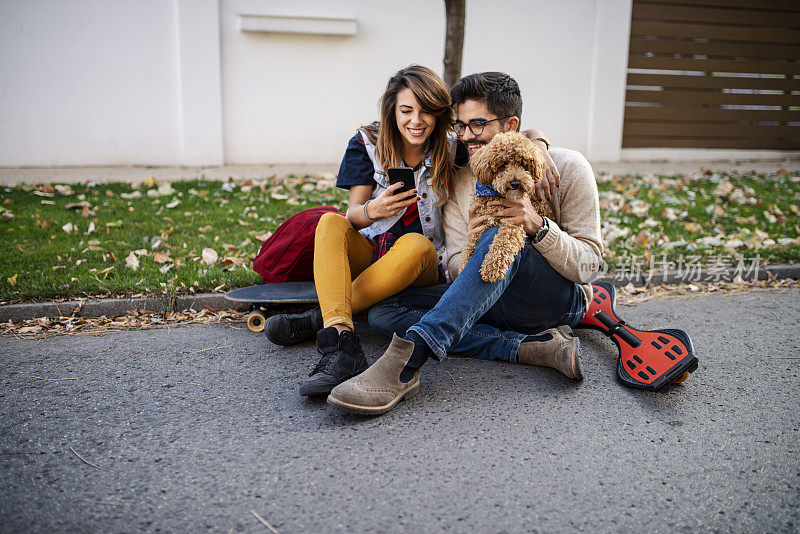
point(511, 165)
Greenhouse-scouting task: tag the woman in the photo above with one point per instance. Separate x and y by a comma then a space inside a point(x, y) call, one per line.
point(389, 240)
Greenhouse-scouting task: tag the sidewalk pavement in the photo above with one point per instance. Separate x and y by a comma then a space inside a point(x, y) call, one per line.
point(18, 175)
point(193, 428)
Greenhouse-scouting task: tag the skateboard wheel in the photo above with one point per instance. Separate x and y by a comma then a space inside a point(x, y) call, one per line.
point(683, 377)
point(256, 321)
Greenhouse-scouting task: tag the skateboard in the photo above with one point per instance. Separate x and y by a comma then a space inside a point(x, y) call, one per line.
point(261, 297)
point(648, 359)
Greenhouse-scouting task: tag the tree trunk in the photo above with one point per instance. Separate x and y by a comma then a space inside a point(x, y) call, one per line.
point(454, 40)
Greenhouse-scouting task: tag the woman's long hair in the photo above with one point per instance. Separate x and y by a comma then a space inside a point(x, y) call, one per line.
point(434, 98)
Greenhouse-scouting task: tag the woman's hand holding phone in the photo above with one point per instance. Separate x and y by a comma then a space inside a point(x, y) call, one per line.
point(388, 203)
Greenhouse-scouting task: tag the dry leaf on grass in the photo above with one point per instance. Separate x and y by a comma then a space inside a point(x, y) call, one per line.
point(131, 261)
point(210, 256)
point(232, 260)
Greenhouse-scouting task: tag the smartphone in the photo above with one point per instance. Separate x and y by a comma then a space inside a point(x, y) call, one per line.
point(402, 174)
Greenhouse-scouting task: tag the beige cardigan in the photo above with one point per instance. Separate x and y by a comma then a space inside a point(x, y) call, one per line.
point(572, 246)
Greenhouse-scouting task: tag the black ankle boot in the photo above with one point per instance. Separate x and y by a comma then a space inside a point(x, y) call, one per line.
point(342, 358)
point(287, 329)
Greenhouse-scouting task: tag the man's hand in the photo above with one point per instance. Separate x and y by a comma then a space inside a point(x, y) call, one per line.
point(519, 212)
point(551, 178)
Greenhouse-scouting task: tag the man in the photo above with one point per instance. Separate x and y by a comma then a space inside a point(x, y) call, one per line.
point(525, 317)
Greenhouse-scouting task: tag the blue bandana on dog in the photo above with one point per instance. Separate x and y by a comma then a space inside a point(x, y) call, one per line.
point(485, 190)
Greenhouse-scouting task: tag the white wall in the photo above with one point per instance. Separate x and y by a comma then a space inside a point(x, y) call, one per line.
point(92, 82)
point(88, 82)
point(298, 98)
point(569, 59)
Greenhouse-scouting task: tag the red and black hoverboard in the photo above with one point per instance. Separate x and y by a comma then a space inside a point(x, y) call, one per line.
point(648, 359)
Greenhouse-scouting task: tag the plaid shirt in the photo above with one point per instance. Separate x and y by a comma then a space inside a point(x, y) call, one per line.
point(385, 242)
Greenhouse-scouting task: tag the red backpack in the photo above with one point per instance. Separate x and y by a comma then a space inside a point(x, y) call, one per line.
point(288, 254)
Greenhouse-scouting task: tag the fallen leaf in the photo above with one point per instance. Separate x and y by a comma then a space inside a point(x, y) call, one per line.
point(150, 182)
point(173, 204)
point(114, 224)
point(68, 228)
point(232, 260)
point(12, 280)
point(166, 189)
point(29, 329)
point(63, 189)
point(669, 214)
point(210, 256)
point(165, 268)
point(160, 257)
point(131, 261)
point(633, 290)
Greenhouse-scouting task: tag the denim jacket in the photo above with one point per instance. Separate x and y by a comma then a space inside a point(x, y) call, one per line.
point(430, 215)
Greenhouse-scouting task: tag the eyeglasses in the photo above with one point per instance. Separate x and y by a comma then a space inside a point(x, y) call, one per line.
point(475, 126)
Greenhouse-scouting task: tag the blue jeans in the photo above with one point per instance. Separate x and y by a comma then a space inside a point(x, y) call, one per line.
point(485, 320)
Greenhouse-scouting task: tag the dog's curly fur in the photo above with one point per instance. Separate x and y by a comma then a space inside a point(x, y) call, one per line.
point(507, 157)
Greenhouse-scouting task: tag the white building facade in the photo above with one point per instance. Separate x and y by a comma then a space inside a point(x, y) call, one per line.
point(212, 82)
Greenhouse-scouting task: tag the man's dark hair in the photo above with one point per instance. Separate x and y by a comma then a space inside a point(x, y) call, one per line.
point(499, 90)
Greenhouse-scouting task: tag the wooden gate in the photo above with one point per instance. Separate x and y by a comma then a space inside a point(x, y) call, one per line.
point(714, 74)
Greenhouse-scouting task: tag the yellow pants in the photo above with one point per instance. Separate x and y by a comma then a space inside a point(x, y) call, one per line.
point(349, 282)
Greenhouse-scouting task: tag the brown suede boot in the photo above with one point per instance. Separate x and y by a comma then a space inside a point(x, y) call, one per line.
point(378, 389)
point(561, 351)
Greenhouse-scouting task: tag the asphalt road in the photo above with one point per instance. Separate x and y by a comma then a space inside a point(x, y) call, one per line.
point(190, 429)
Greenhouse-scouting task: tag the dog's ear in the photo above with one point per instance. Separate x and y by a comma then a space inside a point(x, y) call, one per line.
point(533, 160)
point(481, 164)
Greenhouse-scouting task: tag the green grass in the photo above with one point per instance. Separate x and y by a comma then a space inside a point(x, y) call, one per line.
point(41, 260)
point(719, 214)
point(713, 215)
